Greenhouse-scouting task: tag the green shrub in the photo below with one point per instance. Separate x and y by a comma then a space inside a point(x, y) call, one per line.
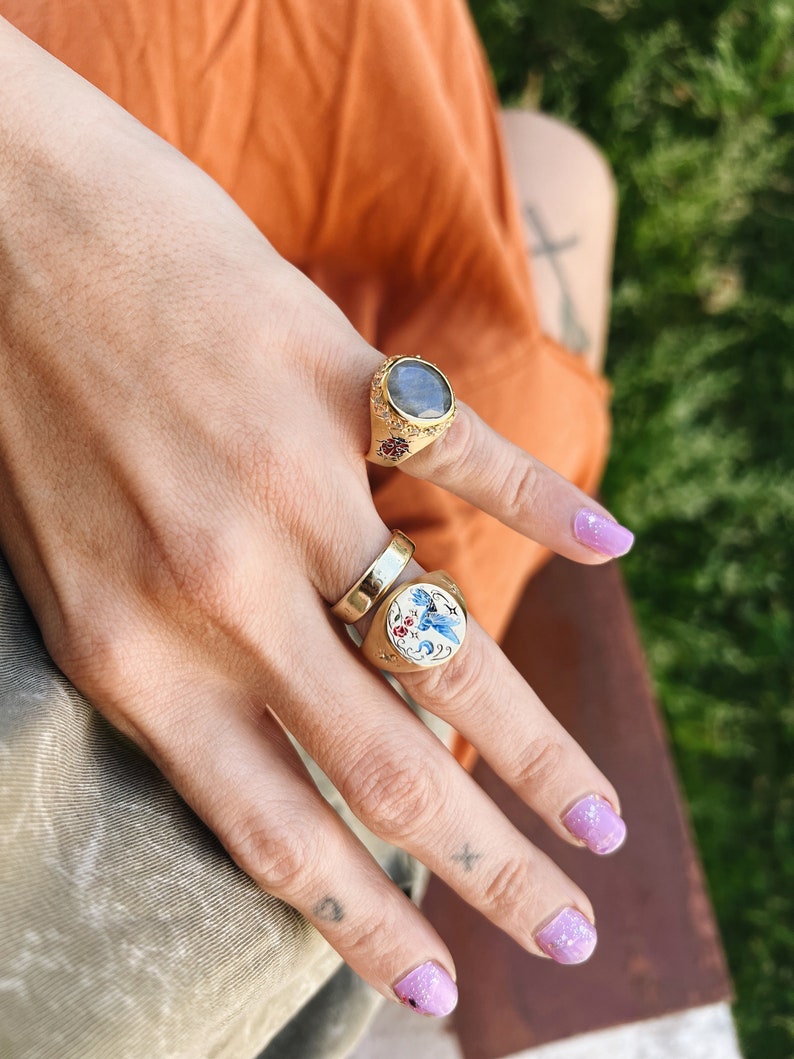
point(693, 103)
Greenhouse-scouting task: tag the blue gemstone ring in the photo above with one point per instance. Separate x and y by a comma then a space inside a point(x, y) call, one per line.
point(411, 404)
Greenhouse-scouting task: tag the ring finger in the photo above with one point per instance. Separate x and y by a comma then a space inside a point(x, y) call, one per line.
point(477, 464)
point(481, 694)
point(403, 784)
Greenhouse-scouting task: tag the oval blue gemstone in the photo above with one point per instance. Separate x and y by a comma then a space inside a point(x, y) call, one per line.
point(419, 390)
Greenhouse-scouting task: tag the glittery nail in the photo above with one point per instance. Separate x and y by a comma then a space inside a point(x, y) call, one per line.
point(428, 990)
point(569, 938)
point(595, 822)
point(602, 534)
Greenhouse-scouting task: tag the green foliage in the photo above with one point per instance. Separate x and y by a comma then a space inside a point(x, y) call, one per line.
point(693, 103)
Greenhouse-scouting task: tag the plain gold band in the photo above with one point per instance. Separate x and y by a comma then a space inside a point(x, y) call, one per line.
point(376, 646)
point(376, 581)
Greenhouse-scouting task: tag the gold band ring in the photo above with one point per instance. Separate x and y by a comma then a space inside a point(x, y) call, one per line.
point(411, 404)
point(376, 581)
point(420, 623)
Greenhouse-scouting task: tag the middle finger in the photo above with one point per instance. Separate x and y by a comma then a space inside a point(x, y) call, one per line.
point(482, 695)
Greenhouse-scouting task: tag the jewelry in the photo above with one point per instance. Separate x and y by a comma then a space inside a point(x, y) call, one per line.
point(420, 623)
point(376, 581)
point(411, 404)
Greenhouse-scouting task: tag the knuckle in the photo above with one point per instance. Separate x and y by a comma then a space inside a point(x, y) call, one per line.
point(364, 936)
point(100, 651)
point(511, 889)
point(92, 646)
point(396, 792)
point(266, 481)
point(538, 764)
point(201, 565)
point(522, 488)
point(453, 449)
point(457, 683)
point(249, 456)
point(278, 856)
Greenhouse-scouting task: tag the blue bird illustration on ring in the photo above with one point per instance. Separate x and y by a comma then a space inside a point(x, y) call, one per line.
point(430, 618)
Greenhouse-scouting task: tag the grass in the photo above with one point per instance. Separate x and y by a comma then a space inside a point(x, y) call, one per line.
point(693, 103)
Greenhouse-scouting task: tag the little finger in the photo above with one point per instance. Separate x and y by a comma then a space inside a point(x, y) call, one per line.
point(235, 766)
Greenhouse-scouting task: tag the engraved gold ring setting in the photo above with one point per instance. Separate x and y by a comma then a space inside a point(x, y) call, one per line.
point(420, 623)
point(411, 405)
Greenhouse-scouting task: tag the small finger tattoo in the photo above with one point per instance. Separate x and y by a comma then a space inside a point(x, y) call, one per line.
point(329, 910)
point(467, 858)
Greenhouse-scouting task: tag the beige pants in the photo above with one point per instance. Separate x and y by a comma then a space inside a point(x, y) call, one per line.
point(125, 929)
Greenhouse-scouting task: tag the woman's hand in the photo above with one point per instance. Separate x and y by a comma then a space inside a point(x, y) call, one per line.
point(183, 491)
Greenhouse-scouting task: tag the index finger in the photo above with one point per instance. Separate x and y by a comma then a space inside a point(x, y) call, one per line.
point(480, 466)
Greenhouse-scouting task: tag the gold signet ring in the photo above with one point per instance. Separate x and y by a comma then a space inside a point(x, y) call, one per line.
point(411, 404)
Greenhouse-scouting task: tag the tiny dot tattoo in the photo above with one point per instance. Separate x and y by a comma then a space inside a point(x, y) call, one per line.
point(467, 858)
point(329, 910)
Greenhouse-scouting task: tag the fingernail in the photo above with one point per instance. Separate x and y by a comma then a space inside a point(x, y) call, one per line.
point(602, 534)
point(428, 990)
point(595, 822)
point(569, 938)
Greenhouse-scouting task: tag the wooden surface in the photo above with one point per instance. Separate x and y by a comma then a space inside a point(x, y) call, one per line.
point(573, 638)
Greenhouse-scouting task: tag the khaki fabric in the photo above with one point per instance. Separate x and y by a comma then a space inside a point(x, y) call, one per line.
point(362, 137)
point(125, 929)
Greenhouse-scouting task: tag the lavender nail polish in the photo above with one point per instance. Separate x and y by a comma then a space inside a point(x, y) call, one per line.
point(602, 534)
point(595, 822)
point(428, 990)
point(569, 938)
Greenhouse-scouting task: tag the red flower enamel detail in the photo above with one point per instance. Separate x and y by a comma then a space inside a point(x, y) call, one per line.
point(408, 621)
point(399, 631)
point(393, 448)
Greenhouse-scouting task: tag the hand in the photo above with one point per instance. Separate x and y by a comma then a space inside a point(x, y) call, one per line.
point(182, 492)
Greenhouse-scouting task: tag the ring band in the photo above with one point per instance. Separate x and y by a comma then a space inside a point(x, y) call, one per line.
point(411, 404)
point(376, 581)
point(420, 623)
